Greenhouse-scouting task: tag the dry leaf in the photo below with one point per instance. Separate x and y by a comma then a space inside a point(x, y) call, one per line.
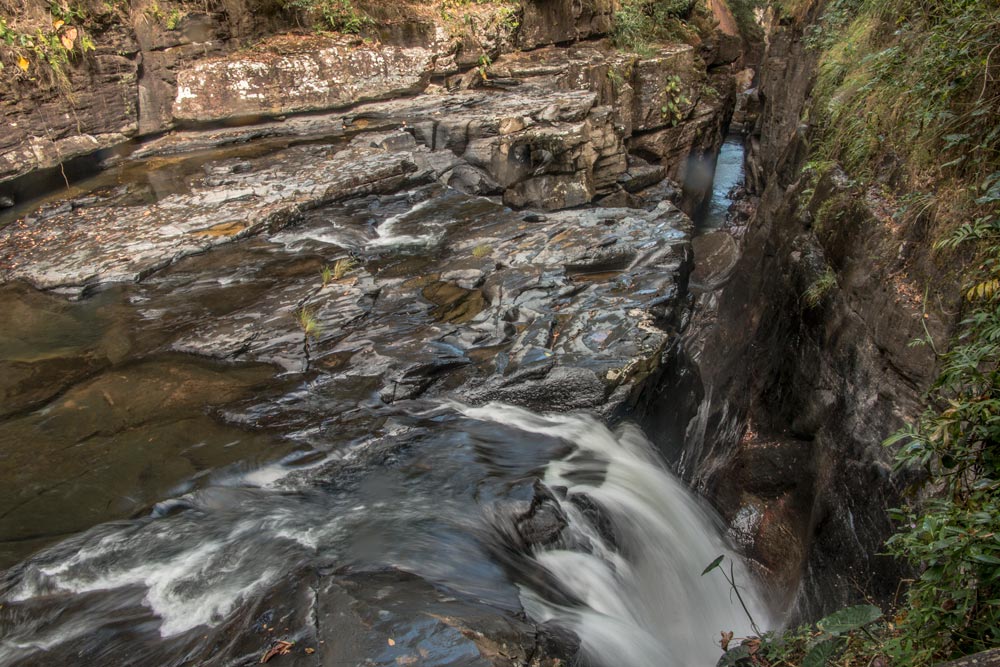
point(57, 23)
point(280, 648)
point(22, 62)
point(68, 38)
point(310, 651)
point(726, 638)
point(392, 642)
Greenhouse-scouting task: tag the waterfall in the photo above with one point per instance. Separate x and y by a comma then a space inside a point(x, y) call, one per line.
point(643, 599)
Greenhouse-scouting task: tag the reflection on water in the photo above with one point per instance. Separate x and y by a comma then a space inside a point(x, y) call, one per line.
point(728, 173)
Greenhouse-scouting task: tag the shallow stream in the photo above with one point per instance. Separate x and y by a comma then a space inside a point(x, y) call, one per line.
point(239, 449)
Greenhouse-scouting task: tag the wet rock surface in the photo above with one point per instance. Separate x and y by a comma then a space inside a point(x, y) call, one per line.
point(250, 332)
point(288, 307)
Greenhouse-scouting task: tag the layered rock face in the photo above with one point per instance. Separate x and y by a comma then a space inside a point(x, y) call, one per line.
point(152, 80)
point(808, 365)
point(410, 234)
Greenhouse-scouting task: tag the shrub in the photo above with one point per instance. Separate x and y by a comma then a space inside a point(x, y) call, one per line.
point(819, 288)
point(953, 536)
point(639, 23)
point(335, 15)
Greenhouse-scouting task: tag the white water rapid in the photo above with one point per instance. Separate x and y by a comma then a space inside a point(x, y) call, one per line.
point(645, 601)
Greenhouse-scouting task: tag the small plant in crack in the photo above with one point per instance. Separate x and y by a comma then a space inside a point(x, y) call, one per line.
point(819, 288)
point(485, 62)
point(307, 322)
point(342, 267)
point(674, 101)
point(483, 250)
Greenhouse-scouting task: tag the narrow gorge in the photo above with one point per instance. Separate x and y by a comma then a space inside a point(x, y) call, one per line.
point(444, 333)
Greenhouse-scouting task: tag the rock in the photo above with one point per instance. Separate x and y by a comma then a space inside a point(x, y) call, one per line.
point(640, 175)
point(653, 92)
point(530, 515)
point(620, 199)
point(716, 254)
point(291, 74)
point(829, 383)
point(164, 53)
point(665, 190)
point(213, 212)
point(545, 22)
point(551, 192)
point(471, 180)
point(129, 432)
point(39, 131)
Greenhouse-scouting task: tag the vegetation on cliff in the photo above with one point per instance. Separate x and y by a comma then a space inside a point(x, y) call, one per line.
point(907, 101)
point(41, 41)
point(906, 104)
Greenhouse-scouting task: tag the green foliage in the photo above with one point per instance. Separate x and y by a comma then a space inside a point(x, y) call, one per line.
point(953, 535)
point(616, 78)
point(846, 620)
point(819, 288)
point(675, 101)
point(308, 322)
point(485, 62)
point(173, 19)
point(822, 652)
point(906, 100)
point(910, 82)
point(45, 51)
point(639, 23)
point(744, 11)
point(336, 15)
point(840, 638)
point(481, 251)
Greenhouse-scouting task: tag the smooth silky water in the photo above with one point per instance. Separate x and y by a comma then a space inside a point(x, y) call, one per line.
point(176, 515)
point(631, 588)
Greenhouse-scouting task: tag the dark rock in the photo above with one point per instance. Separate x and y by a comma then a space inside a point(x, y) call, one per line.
point(471, 180)
point(812, 389)
point(620, 199)
point(640, 175)
point(547, 22)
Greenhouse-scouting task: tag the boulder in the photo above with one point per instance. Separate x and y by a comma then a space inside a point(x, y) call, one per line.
point(294, 74)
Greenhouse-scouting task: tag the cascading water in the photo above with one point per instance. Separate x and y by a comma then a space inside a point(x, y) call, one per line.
point(343, 498)
point(643, 601)
point(627, 575)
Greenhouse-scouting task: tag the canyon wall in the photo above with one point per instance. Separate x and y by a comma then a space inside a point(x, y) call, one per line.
point(807, 363)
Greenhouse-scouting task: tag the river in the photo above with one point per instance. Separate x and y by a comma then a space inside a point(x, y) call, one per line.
point(241, 448)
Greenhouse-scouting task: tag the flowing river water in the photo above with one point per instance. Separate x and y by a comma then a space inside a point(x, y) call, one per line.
point(179, 491)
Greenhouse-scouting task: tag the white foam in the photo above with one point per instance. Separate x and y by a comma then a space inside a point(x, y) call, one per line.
point(646, 602)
